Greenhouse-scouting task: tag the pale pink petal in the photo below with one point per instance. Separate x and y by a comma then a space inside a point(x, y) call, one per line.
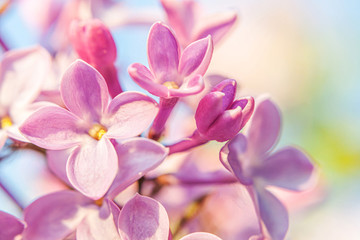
point(14, 133)
point(288, 168)
point(97, 225)
point(10, 226)
point(181, 16)
point(129, 114)
point(163, 53)
point(236, 159)
point(92, 167)
point(54, 216)
point(196, 57)
point(273, 214)
point(53, 128)
point(264, 128)
point(57, 160)
point(200, 236)
point(144, 78)
point(137, 156)
point(22, 73)
point(84, 91)
point(190, 86)
point(143, 218)
point(217, 26)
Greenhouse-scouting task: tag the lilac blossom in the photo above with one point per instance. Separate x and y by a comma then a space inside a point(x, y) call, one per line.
point(89, 124)
point(173, 73)
point(94, 44)
point(22, 73)
point(185, 17)
point(218, 116)
point(250, 159)
point(90, 219)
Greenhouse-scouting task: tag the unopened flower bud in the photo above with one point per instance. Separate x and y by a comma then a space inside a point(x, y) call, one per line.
point(93, 42)
point(218, 117)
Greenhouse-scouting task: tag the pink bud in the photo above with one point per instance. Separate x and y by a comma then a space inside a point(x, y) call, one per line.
point(93, 42)
point(218, 117)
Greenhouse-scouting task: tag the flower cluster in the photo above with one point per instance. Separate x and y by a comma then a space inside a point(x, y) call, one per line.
point(124, 174)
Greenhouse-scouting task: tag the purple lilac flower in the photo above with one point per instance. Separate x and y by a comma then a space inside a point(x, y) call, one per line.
point(173, 73)
point(250, 159)
point(218, 116)
point(89, 124)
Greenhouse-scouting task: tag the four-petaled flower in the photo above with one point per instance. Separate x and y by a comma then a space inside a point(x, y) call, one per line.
point(89, 125)
point(250, 159)
point(172, 73)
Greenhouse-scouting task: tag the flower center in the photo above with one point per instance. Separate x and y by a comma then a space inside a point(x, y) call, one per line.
point(5, 122)
point(99, 202)
point(171, 85)
point(97, 131)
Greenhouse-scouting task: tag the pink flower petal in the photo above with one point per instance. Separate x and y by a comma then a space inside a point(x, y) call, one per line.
point(163, 53)
point(181, 16)
point(53, 128)
point(196, 57)
point(54, 216)
point(129, 114)
point(190, 86)
point(10, 226)
point(142, 76)
point(264, 128)
point(137, 156)
point(226, 126)
point(209, 108)
point(200, 236)
point(97, 226)
point(217, 26)
point(287, 168)
point(84, 91)
point(92, 167)
point(143, 218)
point(247, 105)
point(20, 78)
point(273, 214)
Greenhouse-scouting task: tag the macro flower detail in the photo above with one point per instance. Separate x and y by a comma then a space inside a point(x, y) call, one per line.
point(94, 44)
point(250, 159)
point(11, 227)
point(172, 73)
point(218, 116)
point(89, 124)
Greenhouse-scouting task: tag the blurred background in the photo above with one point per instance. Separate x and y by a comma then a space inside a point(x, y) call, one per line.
point(304, 54)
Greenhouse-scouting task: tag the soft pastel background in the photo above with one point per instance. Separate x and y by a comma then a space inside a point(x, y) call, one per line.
point(304, 54)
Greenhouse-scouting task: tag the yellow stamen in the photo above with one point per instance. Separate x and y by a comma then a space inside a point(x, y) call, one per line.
point(171, 85)
point(97, 131)
point(6, 122)
point(99, 202)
